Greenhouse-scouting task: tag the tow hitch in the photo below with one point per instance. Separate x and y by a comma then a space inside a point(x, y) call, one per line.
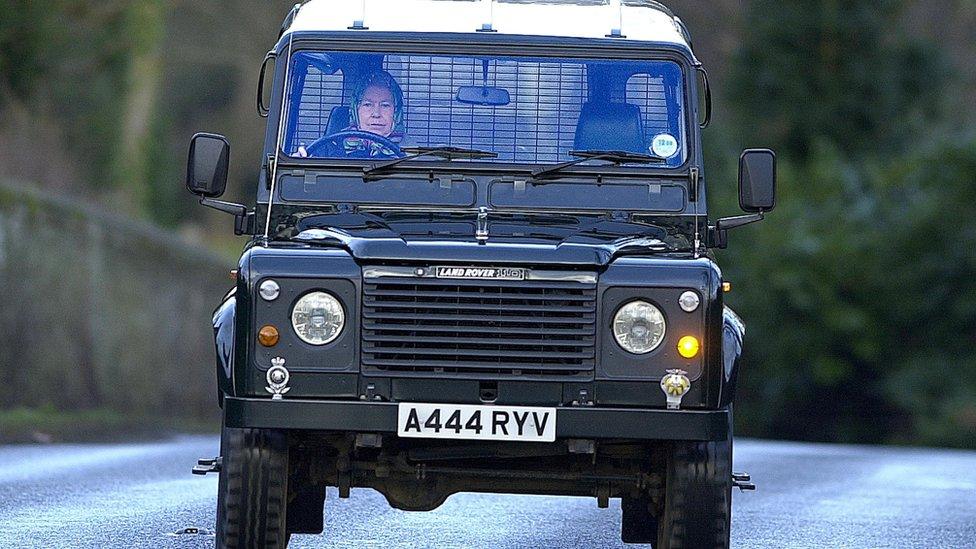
point(205, 466)
point(742, 481)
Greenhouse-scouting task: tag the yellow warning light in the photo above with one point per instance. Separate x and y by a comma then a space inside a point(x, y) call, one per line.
point(726, 287)
point(688, 346)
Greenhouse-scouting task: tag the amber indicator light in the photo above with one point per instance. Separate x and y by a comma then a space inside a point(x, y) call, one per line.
point(268, 336)
point(688, 346)
point(726, 287)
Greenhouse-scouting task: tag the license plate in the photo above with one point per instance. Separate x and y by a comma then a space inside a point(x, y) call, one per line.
point(476, 422)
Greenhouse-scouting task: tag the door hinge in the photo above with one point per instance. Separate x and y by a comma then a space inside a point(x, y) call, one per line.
point(269, 171)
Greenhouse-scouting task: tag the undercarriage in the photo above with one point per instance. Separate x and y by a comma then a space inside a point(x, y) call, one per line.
point(419, 476)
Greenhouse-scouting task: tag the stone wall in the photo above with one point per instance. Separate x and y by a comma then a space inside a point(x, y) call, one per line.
point(102, 313)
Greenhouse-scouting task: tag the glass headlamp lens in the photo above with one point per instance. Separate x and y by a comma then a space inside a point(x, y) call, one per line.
point(639, 327)
point(318, 318)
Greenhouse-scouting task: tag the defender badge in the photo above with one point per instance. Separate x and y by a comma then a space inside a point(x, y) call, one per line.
point(277, 378)
point(675, 385)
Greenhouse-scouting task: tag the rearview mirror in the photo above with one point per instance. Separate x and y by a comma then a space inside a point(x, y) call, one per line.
point(485, 96)
point(757, 180)
point(206, 167)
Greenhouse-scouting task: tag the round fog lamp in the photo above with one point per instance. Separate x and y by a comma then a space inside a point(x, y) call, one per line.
point(689, 301)
point(639, 327)
point(318, 318)
point(688, 346)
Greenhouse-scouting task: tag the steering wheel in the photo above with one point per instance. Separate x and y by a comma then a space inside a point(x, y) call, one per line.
point(331, 145)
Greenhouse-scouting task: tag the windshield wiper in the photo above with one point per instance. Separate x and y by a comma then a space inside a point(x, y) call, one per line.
point(446, 153)
point(615, 157)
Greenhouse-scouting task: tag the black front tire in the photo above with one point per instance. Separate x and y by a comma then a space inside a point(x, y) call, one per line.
point(698, 495)
point(252, 493)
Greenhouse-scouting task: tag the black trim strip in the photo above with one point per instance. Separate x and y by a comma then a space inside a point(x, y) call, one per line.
point(381, 417)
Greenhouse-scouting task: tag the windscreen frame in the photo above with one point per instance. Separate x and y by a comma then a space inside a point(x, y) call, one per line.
point(492, 43)
point(495, 44)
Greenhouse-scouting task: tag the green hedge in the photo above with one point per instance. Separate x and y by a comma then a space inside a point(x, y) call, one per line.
point(859, 293)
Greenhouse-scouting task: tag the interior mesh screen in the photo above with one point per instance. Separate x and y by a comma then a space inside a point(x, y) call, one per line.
point(648, 93)
point(538, 124)
point(320, 93)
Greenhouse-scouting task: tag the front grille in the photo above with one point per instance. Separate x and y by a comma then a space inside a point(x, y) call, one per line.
point(479, 328)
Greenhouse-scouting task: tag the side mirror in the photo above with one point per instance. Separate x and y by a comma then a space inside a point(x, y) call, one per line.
point(757, 180)
point(757, 194)
point(206, 167)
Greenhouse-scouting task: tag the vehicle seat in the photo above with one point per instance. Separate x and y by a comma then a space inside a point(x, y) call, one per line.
point(610, 126)
point(338, 120)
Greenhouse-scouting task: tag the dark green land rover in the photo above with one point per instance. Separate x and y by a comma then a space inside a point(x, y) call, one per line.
point(479, 261)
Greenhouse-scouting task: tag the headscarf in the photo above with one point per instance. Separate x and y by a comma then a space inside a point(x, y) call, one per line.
point(379, 79)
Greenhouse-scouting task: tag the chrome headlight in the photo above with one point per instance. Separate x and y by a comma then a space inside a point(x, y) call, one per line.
point(318, 318)
point(639, 327)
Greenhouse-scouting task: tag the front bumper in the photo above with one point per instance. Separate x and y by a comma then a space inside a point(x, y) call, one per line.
point(381, 417)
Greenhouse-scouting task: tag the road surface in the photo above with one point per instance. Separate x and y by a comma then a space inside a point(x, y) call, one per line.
point(810, 495)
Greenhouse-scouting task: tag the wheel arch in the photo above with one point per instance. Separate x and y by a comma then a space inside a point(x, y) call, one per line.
point(224, 322)
point(733, 332)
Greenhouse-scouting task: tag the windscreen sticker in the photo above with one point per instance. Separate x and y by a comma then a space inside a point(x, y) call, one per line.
point(664, 145)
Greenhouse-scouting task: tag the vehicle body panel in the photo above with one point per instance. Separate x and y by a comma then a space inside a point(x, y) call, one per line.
point(618, 379)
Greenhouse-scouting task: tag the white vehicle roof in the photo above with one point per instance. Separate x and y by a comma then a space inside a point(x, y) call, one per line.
point(564, 18)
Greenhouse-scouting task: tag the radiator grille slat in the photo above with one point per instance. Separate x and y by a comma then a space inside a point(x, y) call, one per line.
point(466, 293)
point(475, 353)
point(468, 306)
point(483, 328)
point(449, 330)
point(475, 340)
point(454, 366)
point(483, 317)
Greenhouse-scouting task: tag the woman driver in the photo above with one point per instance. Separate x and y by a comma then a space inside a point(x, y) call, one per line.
point(376, 107)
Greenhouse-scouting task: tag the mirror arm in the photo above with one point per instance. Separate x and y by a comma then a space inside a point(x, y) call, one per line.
point(727, 223)
point(229, 207)
point(718, 234)
point(243, 219)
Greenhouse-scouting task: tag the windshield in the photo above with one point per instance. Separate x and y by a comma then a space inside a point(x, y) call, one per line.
point(533, 110)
